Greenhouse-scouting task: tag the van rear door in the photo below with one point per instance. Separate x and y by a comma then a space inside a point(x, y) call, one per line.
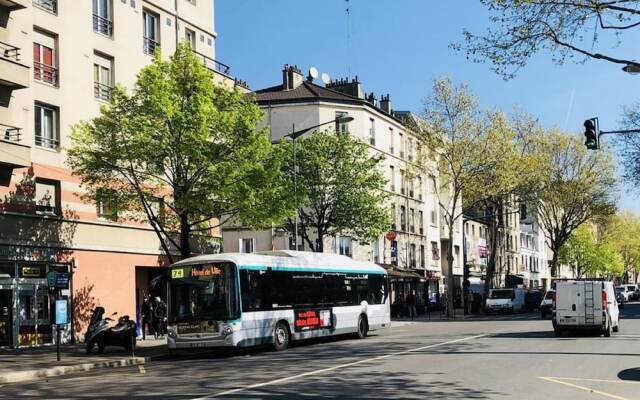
point(570, 303)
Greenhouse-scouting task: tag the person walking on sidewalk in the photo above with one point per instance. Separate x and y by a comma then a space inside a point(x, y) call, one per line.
point(411, 301)
point(159, 316)
point(147, 317)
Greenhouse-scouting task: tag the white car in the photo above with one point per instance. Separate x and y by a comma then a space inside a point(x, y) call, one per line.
point(505, 300)
point(626, 292)
point(585, 305)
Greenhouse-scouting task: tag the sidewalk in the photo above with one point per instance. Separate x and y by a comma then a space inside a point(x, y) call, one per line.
point(434, 316)
point(21, 365)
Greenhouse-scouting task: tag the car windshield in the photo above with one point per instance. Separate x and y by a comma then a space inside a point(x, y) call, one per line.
point(203, 292)
point(631, 287)
point(549, 295)
point(501, 294)
point(619, 290)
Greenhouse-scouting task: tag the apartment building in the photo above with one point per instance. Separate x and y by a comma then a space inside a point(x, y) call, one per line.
point(414, 255)
point(59, 61)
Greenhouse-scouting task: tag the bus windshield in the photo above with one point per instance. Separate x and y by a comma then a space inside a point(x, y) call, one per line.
point(204, 292)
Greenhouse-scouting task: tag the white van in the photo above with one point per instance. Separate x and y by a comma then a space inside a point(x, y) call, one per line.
point(585, 305)
point(505, 300)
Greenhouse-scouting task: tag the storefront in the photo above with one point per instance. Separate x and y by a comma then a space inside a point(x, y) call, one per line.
point(27, 305)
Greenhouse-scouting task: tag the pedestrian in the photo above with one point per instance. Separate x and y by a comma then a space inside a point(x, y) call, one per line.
point(147, 317)
point(159, 316)
point(411, 301)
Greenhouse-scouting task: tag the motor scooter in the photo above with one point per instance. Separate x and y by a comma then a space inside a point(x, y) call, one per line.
point(100, 333)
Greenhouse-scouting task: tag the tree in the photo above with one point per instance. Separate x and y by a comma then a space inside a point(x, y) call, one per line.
point(623, 232)
point(579, 251)
point(470, 151)
point(572, 185)
point(565, 29)
point(629, 146)
point(180, 152)
point(338, 186)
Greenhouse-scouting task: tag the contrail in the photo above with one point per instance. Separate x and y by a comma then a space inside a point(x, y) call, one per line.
point(569, 109)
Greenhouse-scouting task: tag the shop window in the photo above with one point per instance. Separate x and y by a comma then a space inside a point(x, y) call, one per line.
point(247, 245)
point(47, 197)
point(7, 270)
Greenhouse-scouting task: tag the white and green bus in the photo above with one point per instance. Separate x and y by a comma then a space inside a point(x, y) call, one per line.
point(239, 300)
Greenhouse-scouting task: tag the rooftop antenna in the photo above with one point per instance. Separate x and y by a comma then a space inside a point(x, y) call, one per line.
point(313, 74)
point(326, 78)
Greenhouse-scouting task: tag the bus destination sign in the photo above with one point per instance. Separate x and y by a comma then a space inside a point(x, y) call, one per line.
point(307, 320)
point(198, 271)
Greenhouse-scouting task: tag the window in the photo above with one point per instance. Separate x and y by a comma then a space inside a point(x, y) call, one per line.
point(47, 197)
point(401, 144)
point(292, 242)
point(102, 77)
point(47, 5)
point(410, 149)
point(419, 188)
point(44, 58)
point(456, 252)
point(421, 222)
point(372, 132)
point(412, 220)
point(403, 182)
point(412, 255)
point(392, 180)
point(432, 184)
point(422, 256)
point(411, 187)
point(105, 205)
point(435, 252)
point(247, 245)
point(190, 37)
point(345, 246)
point(151, 34)
point(403, 219)
point(102, 22)
point(342, 127)
point(46, 122)
point(375, 251)
point(391, 149)
point(434, 218)
point(393, 216)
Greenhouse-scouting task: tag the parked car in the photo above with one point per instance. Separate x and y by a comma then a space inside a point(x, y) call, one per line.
point(585, 305)
point(505, 300)
point(619, 297)
point(532, 300)
point(546, 305)
point(626, 293)
point(633, 291)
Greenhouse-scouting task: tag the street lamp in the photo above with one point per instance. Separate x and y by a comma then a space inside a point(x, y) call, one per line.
point(294, 135)
point(632, 68)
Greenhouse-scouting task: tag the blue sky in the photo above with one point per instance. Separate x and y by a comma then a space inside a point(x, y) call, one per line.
point(400, 46)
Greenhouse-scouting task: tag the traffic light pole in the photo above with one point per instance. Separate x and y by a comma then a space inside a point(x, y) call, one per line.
point(592, 133)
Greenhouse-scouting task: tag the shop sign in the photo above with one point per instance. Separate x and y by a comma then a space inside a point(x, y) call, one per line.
point(62, 280)
point(32, 272)
point(62, 313)
point(51, 279)
point(391, 235)
point(394, 252)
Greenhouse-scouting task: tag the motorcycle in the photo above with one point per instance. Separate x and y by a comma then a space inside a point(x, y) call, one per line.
point(100, 333)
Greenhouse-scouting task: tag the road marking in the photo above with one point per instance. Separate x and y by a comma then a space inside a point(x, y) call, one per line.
point(596, 380)
point(586, 389)
point(341, 366)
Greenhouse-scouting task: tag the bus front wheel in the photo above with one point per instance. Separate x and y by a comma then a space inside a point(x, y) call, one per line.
point(363, 327)
point(281, 336)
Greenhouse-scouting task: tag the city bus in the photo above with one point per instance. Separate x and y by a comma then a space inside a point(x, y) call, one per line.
point(273, 298)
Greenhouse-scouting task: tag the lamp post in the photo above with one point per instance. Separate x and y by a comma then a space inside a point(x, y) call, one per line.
point(294, 135)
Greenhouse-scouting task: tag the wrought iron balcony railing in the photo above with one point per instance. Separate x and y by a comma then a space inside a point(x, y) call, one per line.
point(9, 52)
point(10, 133)
point(102, 92)
point(212, 64)
point(102, 25)
point(48, 5)
point(45, 73)
point(49, 143)
point(149, 46)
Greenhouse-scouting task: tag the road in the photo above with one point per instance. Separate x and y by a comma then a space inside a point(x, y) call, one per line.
point(505, 357)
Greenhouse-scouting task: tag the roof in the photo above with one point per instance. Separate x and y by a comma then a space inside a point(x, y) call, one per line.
point(289, 259)
point(309, 91)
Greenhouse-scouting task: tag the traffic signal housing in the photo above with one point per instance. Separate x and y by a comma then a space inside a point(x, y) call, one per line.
point(591, 134)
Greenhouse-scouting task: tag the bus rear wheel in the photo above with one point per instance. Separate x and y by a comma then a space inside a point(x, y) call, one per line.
point(363, 327)
point(281, 336)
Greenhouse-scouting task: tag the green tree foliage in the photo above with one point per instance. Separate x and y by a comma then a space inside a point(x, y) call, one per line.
point(623, 232)
point(180, 152)
point(568, 186)
point(564, 29)
point(338, 188)
point(589, 257)
point(474, 157)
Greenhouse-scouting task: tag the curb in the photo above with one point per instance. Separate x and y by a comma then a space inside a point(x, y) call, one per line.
point(29, 375)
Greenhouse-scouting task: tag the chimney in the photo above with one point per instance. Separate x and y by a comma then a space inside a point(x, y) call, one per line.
point(385, 104)
point(352, 88)
point(291, 77)
point(371, 98)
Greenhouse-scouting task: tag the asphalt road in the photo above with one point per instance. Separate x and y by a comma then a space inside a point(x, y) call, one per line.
point(505, 357)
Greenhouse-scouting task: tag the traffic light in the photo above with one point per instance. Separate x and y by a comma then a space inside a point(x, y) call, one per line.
point(591, 133)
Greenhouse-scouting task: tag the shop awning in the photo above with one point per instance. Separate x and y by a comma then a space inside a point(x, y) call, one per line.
point(394, 273)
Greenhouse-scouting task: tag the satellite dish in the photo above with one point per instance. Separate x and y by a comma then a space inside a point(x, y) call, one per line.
point(313, 72)
point(326, 78)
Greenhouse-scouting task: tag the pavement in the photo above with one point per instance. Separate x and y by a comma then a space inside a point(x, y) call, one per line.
point(498, 357)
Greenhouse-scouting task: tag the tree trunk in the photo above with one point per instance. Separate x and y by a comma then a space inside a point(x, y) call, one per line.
point(450, 284)
point(491, 263)
point(185, 233)
point(320, 247)
point(554, 260)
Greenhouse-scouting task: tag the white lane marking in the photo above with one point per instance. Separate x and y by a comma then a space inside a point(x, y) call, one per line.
point(324, 370)
point(584, 388)
point(596, 380)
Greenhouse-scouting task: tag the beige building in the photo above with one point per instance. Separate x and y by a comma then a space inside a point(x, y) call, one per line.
point(416, 263)
point(59, 61)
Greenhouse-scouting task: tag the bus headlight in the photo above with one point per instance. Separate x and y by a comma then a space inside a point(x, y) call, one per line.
point(227, 330)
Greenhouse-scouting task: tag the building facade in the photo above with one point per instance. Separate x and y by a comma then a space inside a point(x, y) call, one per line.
point(415, 254)
point(58, 65)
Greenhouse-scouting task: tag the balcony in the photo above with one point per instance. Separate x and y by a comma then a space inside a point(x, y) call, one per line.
point(103, 25)
point(45, 73)
point(213, 65)
point(47, 5)
point(47, 143)
point(149, 46)
point(13, 5)
point(13, 74)
point(12, 151)
point(102, 92)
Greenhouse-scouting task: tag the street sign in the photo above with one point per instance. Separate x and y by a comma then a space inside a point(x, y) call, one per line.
point(62, 317)
point(62, 280)
point(51, 279)
point(394, 252)
point(391, 235)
